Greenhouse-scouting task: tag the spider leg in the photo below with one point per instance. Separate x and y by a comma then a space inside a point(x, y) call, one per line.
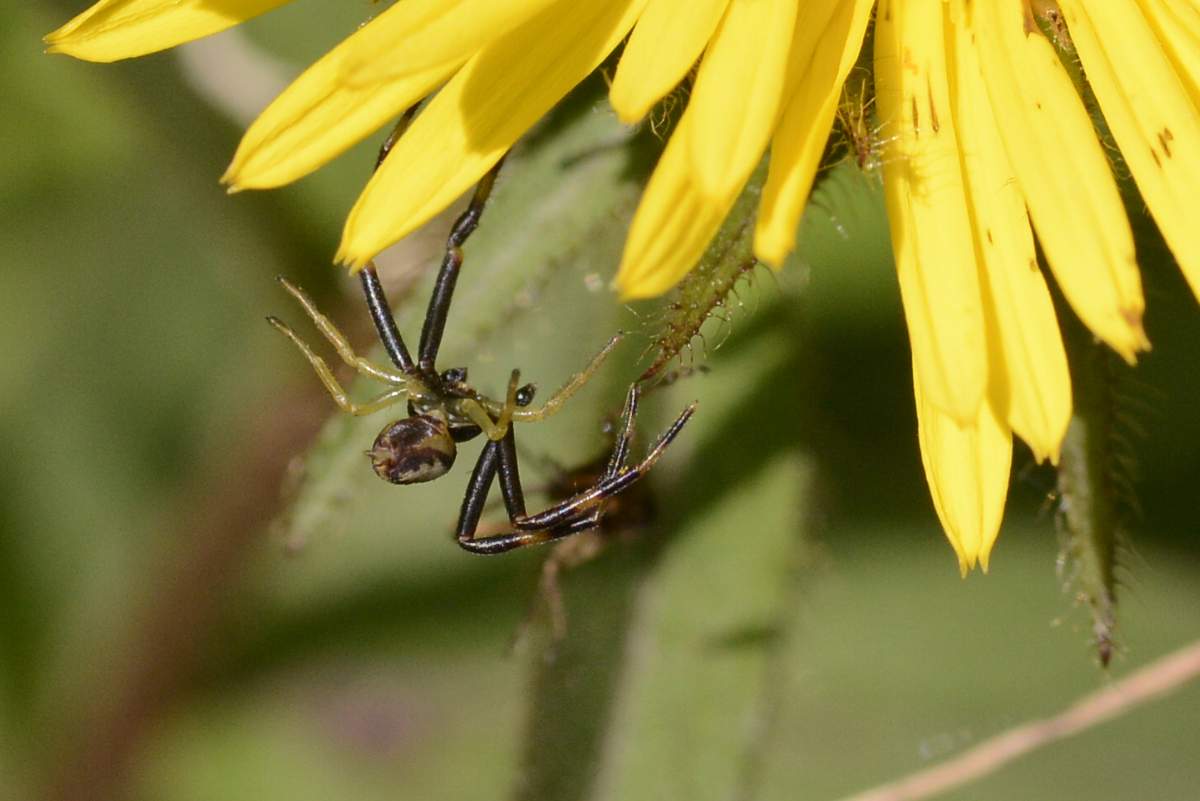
point(561, 558)
point(620, 453)
point(510, 477)
point(477, 410)
point(500, 456)
point(385, 321)
point(585, 523)
point(504, 421)
point(337, 338)
point(391, 397)
point(377, 303)
point(576, 514)
point(608, 486)
point(476, 497)
point(443, 288)
point(397, 131)
point(563, 393)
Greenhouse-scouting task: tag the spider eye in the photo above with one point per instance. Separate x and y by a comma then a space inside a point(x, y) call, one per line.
point(412, 450)
point(525, 394)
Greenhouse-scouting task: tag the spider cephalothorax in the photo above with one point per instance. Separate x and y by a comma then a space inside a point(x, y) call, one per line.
point(422, 446)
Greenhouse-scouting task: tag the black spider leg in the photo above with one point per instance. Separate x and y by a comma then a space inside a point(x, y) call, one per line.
point(385, 322)
point(377, 303)
point(607, 487)
point(397, 131)
point(617, 462)
point(576, 514)
point(486, 467)
point(443, 288)
point(502, 457)
point(620, 454)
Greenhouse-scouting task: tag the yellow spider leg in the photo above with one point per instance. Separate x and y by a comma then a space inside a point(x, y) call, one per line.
point(338, 339)
point(389, 398)
point(573, 385)
point(478, 411)
point(510, 404)
point(475, 411)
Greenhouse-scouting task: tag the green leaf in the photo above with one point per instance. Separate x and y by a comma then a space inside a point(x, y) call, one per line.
point(659, 688)
point(690, 710)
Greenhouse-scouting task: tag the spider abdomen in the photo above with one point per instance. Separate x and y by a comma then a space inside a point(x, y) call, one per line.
point(412, 450)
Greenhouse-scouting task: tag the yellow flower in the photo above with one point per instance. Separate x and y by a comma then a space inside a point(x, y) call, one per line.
point(989, 134)
point(985, 134)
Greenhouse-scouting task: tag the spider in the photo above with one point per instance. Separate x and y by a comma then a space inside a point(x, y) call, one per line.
point(443, 410)
point(865, 141)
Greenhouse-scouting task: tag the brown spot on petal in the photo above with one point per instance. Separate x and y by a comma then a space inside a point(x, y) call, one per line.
point(933, 115)
point(1165, 138)
point(1030, 23)
point(1133, 318)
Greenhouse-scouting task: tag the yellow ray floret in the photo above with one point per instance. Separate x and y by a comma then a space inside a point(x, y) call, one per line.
point(1028, 364)
point(116, 29)
point(322, 113)
point(1150, 113)
point(664, 45)
point(1064, 176)
point(493, 99)
point(426, 34)
point(673, 223)
point(828, 38)
point(1176, 23)
point(926, 203)
point(738, 91)
point(967, 467)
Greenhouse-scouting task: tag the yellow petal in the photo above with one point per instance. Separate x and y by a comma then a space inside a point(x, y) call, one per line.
point(738, 91)
point(926, 203)
point(425, 34)
point(1176, 23)
point(664, 45)
point(116, 29)
point(479, 114)
point(321, 115)
point(1150, 114)
point(967, 467)
point(673, 223)
point(1029, 371)
point(361, 85)
point(828, 38)
point(1063, 174)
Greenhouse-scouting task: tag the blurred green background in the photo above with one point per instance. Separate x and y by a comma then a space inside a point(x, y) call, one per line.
point(790, 624)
